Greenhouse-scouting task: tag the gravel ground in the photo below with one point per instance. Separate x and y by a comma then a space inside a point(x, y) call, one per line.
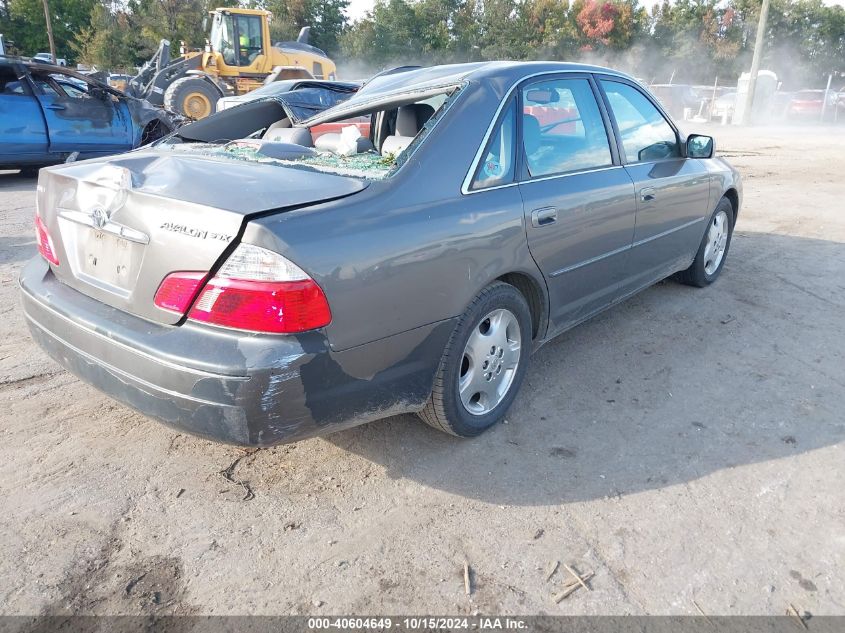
point(686, 447)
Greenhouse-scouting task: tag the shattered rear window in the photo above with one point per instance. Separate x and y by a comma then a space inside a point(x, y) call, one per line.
point(369, 165)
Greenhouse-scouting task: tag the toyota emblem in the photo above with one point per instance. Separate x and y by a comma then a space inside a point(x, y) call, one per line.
point(99, 217)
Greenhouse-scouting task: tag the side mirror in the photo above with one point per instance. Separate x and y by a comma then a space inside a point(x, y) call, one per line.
point(700, 146)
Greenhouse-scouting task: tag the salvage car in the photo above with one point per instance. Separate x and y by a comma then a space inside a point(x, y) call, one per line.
point(47, 58)
point(286, 85)
point(812, 105)
point(416, 273)
point(48, 113)
point(308, 97)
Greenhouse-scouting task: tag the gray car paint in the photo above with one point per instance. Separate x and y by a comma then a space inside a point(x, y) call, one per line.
point(398, 259)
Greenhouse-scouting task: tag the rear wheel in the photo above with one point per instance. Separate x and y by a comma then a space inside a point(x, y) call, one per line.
point(713, 249)
point(192, 97)
point(483, 365)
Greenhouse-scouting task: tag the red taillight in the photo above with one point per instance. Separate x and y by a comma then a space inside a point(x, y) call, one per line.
point(178, 291)
point(255, 289)
point(281, 307)
point(45, 242)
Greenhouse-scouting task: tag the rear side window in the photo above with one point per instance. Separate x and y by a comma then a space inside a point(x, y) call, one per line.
point(498, 160)
point(562, 128)
point(646, 135)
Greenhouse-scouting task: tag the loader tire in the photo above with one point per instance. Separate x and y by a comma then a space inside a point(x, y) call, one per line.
point(192, 97)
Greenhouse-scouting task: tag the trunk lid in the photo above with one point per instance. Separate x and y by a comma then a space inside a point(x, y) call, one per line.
point(121, 225)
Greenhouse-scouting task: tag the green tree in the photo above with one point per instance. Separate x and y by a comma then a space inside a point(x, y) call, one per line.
point(25, 24)
point(109, 41)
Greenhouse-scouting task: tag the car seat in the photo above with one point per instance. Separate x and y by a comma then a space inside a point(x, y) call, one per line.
point(410, 119)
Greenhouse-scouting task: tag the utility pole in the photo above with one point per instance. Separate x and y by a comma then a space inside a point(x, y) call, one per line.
point(49, 30)
point(755, 62)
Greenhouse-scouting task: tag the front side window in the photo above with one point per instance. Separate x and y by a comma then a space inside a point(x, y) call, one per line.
point(646, 135)
point(75, 92)
point(45, 86)
point(562, 128)
point(498, 159)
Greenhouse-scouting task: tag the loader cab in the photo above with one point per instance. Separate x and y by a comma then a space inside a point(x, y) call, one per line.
point(238, 39)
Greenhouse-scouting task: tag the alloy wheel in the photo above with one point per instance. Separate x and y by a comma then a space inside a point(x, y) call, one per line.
point(490, 360)
point(717, 242)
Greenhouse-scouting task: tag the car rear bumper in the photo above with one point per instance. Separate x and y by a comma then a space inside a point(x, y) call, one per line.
point(233, 387)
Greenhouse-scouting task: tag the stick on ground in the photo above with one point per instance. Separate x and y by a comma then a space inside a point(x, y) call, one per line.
point(467, 587)
point(701, 611)
point(794, 613)
point(571, 585)
point(576, 576)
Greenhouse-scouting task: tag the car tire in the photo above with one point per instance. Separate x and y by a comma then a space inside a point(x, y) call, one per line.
point(713, 250)
point(483, 365)
point(193, 97)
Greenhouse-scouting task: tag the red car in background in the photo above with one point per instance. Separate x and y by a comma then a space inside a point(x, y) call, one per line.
point(808, 104)
point(361, 122)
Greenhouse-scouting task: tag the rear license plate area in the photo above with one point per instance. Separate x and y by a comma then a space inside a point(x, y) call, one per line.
point(102, 258)
point(107, 258)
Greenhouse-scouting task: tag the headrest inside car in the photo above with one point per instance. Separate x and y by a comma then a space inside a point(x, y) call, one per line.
point(411, 118)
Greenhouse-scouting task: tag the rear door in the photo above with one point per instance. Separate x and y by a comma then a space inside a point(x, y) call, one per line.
point(23, 135)
point(672, 191)
point(578, 199)
point(84, 121)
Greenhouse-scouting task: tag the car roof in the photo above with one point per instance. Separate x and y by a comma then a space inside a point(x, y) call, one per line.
point(398, 84)
point(457, 73)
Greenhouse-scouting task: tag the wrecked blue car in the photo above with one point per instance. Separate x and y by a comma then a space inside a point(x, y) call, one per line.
point(48, 113)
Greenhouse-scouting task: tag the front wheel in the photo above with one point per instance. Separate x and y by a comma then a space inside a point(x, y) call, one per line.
point(713, 249)
point(192, 96)
point(483, 365)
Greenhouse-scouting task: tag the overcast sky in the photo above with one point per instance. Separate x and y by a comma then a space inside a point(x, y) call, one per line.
point(357, 8)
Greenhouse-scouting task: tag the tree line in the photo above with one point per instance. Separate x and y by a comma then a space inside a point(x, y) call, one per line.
point(682, 41)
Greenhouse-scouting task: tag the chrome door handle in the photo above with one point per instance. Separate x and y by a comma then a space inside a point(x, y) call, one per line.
point(544, 216)
point(647, 194)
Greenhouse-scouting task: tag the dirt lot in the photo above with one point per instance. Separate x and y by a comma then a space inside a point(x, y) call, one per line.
point(686, 446)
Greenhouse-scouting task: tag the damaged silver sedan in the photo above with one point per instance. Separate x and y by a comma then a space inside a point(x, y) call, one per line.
point(269, 274)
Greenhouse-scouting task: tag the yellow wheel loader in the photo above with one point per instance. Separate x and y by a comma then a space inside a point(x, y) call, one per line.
point(238, 58)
